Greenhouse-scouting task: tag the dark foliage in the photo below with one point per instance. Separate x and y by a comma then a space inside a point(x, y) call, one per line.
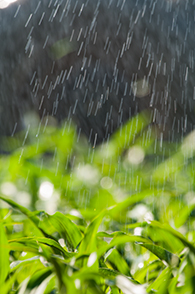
point(98, 63)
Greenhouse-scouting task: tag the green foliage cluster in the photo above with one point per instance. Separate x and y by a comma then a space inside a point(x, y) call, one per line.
point(117, 218)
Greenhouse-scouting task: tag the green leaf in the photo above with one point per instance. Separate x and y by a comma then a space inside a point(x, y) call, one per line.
point(114, 290)
point(25, 211)
point(164, 238)
point(88, 244)
point(33, 243)
point(184, 214)
point(175, 233)
point(39, 276)
point(16, 264)
point(118, 262)
point(149, 271)
point(61, 48)
point(65, 227)
point(108, 273)
point(162, 254)
point(4, 255)
point(8, 284)
point(162, 282)
point(118, 240)
point(23, 286)
point(44, 285)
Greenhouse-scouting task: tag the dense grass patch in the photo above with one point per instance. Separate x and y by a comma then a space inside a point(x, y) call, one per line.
point(118, 218)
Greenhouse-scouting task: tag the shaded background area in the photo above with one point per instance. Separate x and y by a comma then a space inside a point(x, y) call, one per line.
point(98, 63)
